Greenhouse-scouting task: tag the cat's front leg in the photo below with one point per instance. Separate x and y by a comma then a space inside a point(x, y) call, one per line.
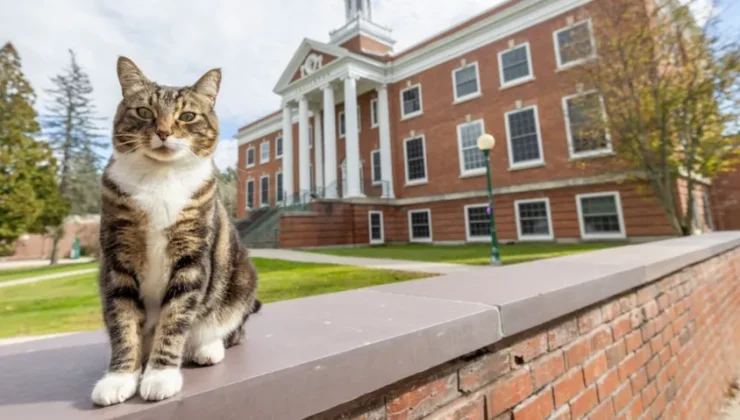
point(162, 378)
point(124, 318)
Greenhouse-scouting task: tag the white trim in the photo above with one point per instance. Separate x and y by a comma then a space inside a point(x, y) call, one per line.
point(468, 236)
point(429, 218)
point(372, 168)
point(310, 136)
point(461, 157)
point(280, 156)
point(370, 228)
point(262, 203)
point(620, 216)
point(264, 160)
point(254, 156)
point(521, 237)
point(405, 116)
point(504, 84)
point(592, 153)
point(476, 94)
point(374, 114)
point(406, 162)
point(558, 61)
point(527, 163)
point(340, 114)
point(278, 200)
point(246, 194)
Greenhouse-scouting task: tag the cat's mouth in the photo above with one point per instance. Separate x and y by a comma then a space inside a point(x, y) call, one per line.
point(163, 153)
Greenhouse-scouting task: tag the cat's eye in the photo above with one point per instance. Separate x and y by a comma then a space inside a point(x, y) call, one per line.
point(145, 113)
point(187, 116)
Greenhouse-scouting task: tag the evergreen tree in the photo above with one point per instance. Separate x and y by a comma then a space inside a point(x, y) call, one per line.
point(227, 190)
point(71, 124)
point(29, 198)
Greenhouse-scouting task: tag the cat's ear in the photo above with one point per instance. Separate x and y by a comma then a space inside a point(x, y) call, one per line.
point(130, 76)
point(208, 84)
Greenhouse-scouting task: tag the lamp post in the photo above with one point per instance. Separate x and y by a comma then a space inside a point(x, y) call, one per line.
point(485, 144)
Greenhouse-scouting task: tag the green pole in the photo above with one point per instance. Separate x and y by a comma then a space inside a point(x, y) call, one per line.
point(495, 254)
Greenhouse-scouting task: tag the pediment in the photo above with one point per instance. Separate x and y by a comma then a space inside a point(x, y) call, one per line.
point(310, 58)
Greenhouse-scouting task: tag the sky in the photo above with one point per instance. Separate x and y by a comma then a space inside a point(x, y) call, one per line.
point(176, 41)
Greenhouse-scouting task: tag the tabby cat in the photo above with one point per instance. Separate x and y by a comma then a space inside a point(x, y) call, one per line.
point(174, 281)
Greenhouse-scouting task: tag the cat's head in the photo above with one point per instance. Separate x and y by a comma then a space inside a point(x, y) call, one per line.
point(162, 123)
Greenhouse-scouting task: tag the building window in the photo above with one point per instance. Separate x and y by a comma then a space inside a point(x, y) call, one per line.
point(533, 221)
point(279, 187)
point(465, 82)
point(411, 102)
point(600, 215)
point(525, 143)
point(373, 113)
point(477, 223)
point(375, 226)
point(250, 157)
point(310, 136)
point(416, 164)
point(265, 191)
point(343, 125)
point(707, 211)
point(586, 137)
point(279, 148)
point(574, 44)
point(515, 65)
point(420, 225)
point(264, 152)
point(375, 168)
point(472, 160)
point(250, 194)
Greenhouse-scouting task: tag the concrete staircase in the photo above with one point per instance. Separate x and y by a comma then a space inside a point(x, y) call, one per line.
point(263, 231)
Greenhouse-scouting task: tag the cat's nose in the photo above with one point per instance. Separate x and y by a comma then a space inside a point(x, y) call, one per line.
point(163, 134)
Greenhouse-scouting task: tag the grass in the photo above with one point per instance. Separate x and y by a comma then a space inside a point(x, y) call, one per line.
point(72, 303)
point(476, 254)
point(23, 273)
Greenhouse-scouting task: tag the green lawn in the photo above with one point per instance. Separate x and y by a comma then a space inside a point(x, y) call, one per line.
point(24, 273)
point(71, 303)
point(478, 254)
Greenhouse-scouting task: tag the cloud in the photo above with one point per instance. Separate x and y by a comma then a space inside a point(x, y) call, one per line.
point(226, 153)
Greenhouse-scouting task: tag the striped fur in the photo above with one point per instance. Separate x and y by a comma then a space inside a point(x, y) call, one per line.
point(175, 284)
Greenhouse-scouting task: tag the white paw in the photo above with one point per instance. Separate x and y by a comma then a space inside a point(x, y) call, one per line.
point(115, 388)
point(209, 354)
point(159, 384)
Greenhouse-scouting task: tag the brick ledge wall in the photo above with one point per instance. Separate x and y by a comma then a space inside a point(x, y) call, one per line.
point(650, 328)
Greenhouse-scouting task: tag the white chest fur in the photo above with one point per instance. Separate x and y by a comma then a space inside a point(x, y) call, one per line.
point(162, 191)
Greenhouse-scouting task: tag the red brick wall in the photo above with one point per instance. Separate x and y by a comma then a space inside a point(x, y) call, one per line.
point(726, 200)
point(666, 350)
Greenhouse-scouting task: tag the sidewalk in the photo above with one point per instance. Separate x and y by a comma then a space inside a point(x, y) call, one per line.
point(9, 265)
point(375, 263)
point(46, 277)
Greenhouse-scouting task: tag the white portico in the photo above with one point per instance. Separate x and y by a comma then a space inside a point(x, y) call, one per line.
point(318, 78)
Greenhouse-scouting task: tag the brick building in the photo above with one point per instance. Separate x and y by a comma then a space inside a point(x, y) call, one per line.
point(386, 141)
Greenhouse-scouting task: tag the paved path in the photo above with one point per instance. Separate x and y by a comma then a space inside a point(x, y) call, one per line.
point(376, 263)
point(46, 277)
point(16, 340)
point(8, 265)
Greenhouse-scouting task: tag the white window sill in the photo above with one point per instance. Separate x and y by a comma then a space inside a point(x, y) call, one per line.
point(527, 165)
point(410, 116)
point(605, 236)
point(377, 183)
point(262, 162)
point(415, 183)
point(478, 239)
point(517, 82)
point(377, 242)
point(421, 240)
point(535, 238)
point(592, 155)
point(467, 98)
point(279, 157)
point(251, 166)
point(473, 174)
point(568, 66)
point(374, 126)
point(264, 205)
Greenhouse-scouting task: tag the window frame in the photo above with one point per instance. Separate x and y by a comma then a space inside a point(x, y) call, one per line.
point(620, 216)
point(569, 134)
point(264, 160)
point(458, 99)
point(530, 163)
point(370, 228)
point(372, 167)
point(374, 121)
point(419, 181)
point(558, 60)
point(254, 157)
point(264, 203)
point(411, 231)
point(246, 194)
point(524, 237)
point(405, 116)
point(461, 157)
point(468, 236)
point(503, 84)
point(340, 115)
point(280, 155)
point(278, 199)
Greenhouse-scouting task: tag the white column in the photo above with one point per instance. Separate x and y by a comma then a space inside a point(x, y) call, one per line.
point(352, 138)
point(330, 143)
point(304, 170)
point(318, 152)
point(384, 127)
point(288, 154)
